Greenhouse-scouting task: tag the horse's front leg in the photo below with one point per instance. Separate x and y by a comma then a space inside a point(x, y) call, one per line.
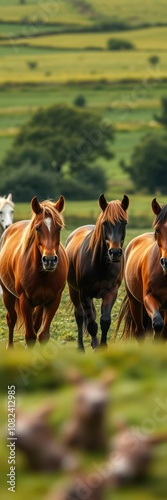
point(11, 316)
point(164, 330)
point(105, 319)
point(27, 313)
point(90, 315)
point(152, 307)
point(48, 314)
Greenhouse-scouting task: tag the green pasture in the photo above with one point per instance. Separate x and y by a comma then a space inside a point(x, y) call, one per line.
point(134, 13)
point(152, 39)
point(43, 12)
point(88, 66)
point(8, 30)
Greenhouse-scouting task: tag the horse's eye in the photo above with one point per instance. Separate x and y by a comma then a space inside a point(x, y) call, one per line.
point(37, 228)
point(59, 229)
point(157, 231)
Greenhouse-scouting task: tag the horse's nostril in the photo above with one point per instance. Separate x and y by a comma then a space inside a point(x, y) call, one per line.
point(115, 252)
point(163, 262)
point(49, 260)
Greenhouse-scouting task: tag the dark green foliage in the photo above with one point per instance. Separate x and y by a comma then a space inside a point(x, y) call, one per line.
point(148, 166)
point(163, 118)
point(118, 44)
point(154, 60)
point(32, 64)
point(56, 152)
point(80, 101)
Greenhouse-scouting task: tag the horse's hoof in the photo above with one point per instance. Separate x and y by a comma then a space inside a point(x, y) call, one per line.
point(30, 342)
point(103, 345)
point(81, 348)
point(157, 323)
point(43, 339)
point(94, 343)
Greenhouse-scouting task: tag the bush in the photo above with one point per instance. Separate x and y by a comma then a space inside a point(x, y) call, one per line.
point(80, 101)
point(118, 44)
point(32, 64)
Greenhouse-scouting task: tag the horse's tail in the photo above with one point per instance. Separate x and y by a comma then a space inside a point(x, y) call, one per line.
point(125, 316)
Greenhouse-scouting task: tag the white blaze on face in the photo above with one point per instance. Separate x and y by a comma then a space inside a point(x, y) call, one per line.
point(48, 222)
point(6, 215)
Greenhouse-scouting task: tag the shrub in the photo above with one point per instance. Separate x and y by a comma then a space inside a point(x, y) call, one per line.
point(80, 101)
point(118, 44)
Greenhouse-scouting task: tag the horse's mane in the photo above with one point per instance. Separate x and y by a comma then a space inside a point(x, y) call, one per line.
point(113, 213)
point(28, 234)
point(4, 201)
point(161, 218)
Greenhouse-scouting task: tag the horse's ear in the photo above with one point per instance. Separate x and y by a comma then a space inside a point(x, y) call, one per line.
point(36, 205)
point(9, 197)
point(125, 203)
point(59, 205)
point(156, 207)
point(102, 202)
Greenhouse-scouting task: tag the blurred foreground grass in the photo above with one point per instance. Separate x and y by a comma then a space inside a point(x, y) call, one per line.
point(138, 394)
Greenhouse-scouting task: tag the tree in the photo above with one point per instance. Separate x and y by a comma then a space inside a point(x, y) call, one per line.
point(118, 44)
point(59, 148)
point(148, 166)
point(163, 118)
point(154, 60)
point(80, 101)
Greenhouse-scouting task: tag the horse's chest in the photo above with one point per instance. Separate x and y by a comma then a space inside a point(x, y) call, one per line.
point(99, 285)
point(39, 291)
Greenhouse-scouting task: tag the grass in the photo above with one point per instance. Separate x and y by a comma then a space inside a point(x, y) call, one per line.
point(135, 14)
point(153, 39)
point(42, 12)
point(138, 395)
point(78, 67)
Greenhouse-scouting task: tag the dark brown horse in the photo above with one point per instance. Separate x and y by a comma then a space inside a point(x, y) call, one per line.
point(33, 269)
point(146, 280)
point(96, 267)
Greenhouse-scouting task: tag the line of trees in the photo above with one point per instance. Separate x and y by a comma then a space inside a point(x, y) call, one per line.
point(58, 151)
point(148, 164)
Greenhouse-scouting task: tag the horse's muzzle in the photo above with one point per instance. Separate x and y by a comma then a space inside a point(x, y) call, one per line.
point(163, 262)
point(49, 262)
point(115, 254)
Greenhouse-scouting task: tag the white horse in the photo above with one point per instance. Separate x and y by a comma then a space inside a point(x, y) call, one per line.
point(6, 215)
point(6, 212)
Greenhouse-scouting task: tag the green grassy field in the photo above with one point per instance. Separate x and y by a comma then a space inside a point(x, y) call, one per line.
point(124, 88)
point(42, 12)
point(152, 39)
point(149, 12)
point(76, 67)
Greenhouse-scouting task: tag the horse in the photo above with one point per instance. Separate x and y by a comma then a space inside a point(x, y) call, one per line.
point(6, 212)
point(33, 270)
point(96, 267)
point(145, 304)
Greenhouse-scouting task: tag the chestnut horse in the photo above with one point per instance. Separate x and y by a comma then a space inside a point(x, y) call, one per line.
point(146, 280)
point(96, 267)
point(33, 270)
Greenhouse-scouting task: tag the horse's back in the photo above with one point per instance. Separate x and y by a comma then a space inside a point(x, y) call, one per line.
point(76, 238)
point(80, 232)
point(12, 231)
point(138, 244)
